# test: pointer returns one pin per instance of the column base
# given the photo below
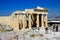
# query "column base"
(23, 29)
(30, 28)
(42, 27)
(38, 28)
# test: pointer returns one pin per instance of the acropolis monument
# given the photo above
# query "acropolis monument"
(29, 18)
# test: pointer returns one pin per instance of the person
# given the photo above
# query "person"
(57, 28)
(53, 27)
(46, 29)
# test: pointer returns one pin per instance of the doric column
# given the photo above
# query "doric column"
(30, 22)
(46, 21)
(42, 21)
(37, 20)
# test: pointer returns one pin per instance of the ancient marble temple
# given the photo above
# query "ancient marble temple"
(29, 18)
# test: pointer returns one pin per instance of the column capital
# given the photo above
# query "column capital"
(37, 14)
(45, 14)
(29, 14)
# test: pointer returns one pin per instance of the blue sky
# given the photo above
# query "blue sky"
(9, 6)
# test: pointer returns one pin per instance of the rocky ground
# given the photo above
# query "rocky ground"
(30, 35)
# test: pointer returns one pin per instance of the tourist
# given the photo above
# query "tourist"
(46, 29)
(53, 27)
(57, 28)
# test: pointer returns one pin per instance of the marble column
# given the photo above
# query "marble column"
(30, 22)
(24, 21)
(15, 23)
(37, 20)
(42, 21)
(46, 21)
(18, 22)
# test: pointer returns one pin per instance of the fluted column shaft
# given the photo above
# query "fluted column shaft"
(46, 21)
(37, 20)
(42, 20)
(30, 22)
(24, 21)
